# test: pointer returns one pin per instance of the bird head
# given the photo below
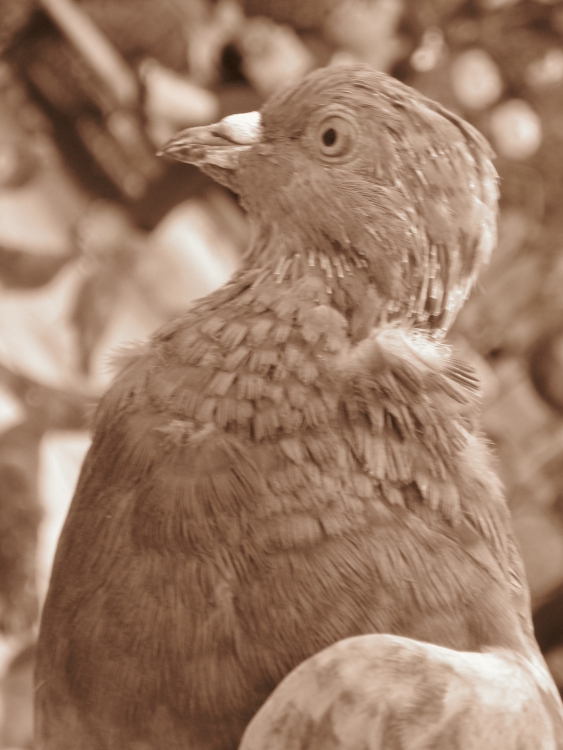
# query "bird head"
(354, 176)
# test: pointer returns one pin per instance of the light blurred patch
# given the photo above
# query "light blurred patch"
(60, 458)
(190, 256)
(36, 337)
(11, 410)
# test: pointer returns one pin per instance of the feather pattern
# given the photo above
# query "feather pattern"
(297, 459)
(325, 482)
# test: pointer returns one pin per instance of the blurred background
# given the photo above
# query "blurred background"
(101, 241)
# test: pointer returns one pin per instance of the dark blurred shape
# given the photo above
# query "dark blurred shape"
(231, 64)
(136, 27)
(24, 270)
(103, 143)
(548, 621)
(546, 368)
(100, 56)
(19, 517)
(302, 14)
(13, 16)
(17, 163)
(95, 137)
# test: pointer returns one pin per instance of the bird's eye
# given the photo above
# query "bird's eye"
(335, 137)
(330, 137)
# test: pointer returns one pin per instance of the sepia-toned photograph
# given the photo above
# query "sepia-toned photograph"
(281, 374)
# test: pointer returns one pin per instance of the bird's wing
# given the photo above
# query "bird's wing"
(413, 412)
(141, 595)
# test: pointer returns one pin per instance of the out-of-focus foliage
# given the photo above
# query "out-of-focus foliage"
(101, 241)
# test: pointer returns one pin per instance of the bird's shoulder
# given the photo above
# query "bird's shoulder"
(269, 378)
(231, 409)
(248, 348)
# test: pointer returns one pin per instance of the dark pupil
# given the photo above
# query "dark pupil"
(329, 137)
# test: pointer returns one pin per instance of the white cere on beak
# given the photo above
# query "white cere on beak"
(245, 128)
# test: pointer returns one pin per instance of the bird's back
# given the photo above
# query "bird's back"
(258, 488)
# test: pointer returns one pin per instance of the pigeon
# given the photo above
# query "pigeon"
(383, 691)
(297, 459)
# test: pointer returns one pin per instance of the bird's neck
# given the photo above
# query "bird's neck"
(286, 260)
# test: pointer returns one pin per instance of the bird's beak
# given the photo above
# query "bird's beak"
(218, 145)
